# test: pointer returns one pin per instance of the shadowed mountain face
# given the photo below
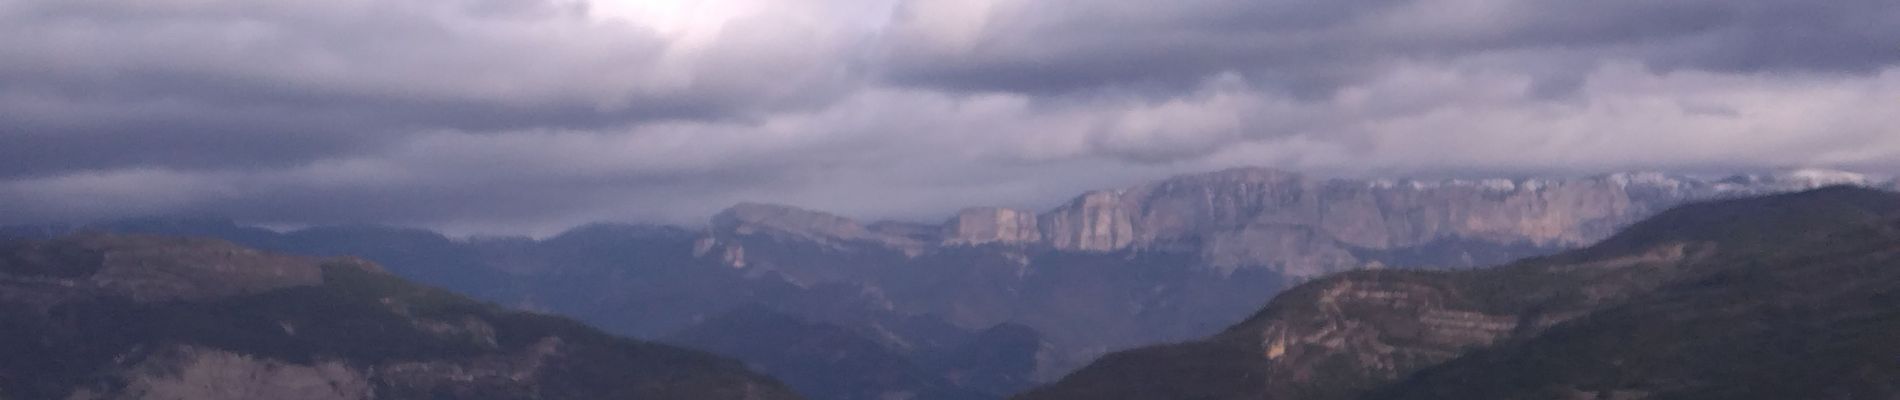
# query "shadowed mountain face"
(1786, 296)
(139, 317)
(829, 362)
(1166, 261)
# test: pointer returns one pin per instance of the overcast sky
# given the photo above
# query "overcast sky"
(530, 116)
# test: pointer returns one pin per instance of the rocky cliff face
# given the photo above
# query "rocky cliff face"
(984, 225)
(1096, 221)
(1306, 227)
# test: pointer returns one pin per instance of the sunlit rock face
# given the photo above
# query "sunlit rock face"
(1096, 221)
(984, 225)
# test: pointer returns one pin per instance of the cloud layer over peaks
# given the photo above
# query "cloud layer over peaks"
(528, 116)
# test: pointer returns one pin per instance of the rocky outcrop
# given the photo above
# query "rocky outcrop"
(191, 372)
(984, 225)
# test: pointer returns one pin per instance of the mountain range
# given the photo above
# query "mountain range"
(95, 316)
(898, 308)
(1776, 297)
(1286, 222)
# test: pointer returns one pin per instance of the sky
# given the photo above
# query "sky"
(532, 116)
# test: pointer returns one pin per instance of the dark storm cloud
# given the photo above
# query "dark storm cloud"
(1311, 47)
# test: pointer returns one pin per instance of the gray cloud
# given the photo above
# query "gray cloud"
(1311, 47)
(208, 84)
(530, 116)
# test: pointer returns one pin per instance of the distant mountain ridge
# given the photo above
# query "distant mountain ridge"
(1303, 227)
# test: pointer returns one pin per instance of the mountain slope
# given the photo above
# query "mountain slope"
(997, 362)
(1703, 301)
(818, 360)
(128, 317)
(1808, 312)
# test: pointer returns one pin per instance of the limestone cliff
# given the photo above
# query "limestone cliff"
(984, 225)
(1256, 217)
(1096, 221)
